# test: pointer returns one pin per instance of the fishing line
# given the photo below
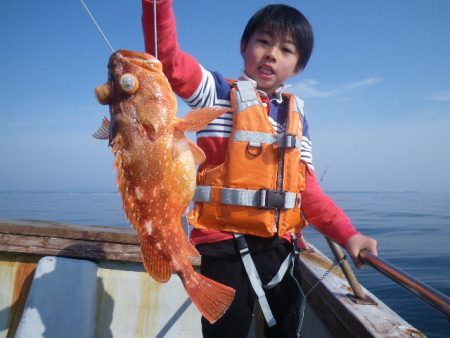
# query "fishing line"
(323, 174)
(98, 27)
(155, 28)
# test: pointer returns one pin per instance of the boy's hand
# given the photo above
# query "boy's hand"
(359, 242)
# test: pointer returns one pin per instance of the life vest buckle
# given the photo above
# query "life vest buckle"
(271, 199)
(288, 141)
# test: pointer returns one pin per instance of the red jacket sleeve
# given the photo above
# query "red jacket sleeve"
(324, 214)
(182, 70)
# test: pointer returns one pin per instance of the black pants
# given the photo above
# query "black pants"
(283, 298)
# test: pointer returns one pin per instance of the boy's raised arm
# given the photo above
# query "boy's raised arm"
(182, 69)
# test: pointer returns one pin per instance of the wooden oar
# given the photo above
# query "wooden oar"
(425, 292)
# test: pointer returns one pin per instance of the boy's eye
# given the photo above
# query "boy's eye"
(288, 49)
(263, 41)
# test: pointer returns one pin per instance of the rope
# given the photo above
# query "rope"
(335, 263)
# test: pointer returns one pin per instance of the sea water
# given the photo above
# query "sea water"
(412, 230)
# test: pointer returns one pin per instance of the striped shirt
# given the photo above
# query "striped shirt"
(214, 91)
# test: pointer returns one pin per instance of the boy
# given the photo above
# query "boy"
(258, 179)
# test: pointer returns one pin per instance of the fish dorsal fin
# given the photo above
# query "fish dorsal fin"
(102, 132)
(181, 142)
(196, 119)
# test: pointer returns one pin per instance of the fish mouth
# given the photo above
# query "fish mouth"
(140, 59)
(134, 54)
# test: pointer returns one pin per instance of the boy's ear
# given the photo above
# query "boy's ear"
(297, 70)
(243, 46)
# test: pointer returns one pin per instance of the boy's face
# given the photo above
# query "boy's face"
(269, 61)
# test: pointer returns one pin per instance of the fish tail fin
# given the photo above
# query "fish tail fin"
(211, 298)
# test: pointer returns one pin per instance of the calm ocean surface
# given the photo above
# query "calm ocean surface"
(412, 229)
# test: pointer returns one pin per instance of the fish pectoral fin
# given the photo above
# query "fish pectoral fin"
(183, 144)
(196, 119)
(192, 252)
(148, 131)
(154, 262)
(197, 152)
(102, 132)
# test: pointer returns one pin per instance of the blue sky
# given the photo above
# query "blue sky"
(376, 90)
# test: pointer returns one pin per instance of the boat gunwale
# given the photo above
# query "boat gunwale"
(330, 300)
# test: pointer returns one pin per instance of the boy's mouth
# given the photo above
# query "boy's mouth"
(266, 70)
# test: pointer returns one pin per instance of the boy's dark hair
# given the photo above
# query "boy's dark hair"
(283, 20)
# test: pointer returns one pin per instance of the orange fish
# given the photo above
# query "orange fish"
(156, 170)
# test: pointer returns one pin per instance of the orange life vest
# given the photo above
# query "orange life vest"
(256, 191)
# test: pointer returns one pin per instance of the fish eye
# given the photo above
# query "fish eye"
(129, 83)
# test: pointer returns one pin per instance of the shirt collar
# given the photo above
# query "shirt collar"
(276, 95)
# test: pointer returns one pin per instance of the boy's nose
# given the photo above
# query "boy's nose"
(271, 53)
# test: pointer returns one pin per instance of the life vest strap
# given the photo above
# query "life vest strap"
(246, 91)
(202, 193)
(257, 138)
(298, 105)
(245, 96)
(255, 281)
(258, 286)
(262, 198)
(288, 261)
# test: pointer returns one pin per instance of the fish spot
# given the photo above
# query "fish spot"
(139, 193)
(149, 227)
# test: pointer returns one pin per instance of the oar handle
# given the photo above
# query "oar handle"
(425, 292)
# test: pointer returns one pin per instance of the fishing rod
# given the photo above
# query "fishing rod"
(419, 289)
